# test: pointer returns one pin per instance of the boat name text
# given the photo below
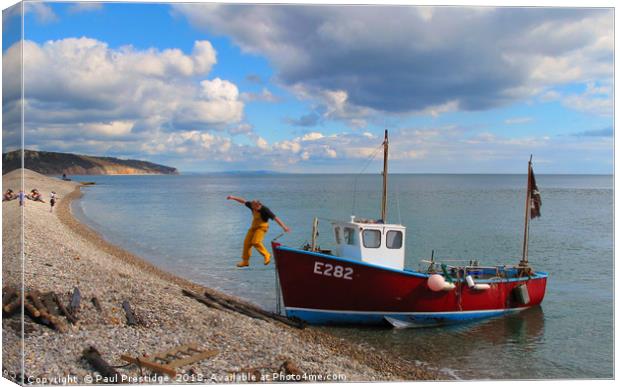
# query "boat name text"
(336, 271)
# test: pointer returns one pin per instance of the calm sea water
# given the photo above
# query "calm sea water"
(184, 224)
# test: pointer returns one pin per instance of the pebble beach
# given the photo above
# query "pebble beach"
(62, 254)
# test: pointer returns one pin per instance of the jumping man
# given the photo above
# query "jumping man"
(257, 231)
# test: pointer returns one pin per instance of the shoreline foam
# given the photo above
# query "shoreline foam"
(62, 252)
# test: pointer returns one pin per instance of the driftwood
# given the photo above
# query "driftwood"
(35, 297)
(168, 361)
(131, 317)
(289, 368)
(31, 310)
(236, 307)
(64, 310)
(50, 303)
(41, 308)
(97, 304)
(252, 310)
(226, 303)
(76, 297)
(12, 306)
(202, 299)
(52, 321)
(8, 293)
(93, 357)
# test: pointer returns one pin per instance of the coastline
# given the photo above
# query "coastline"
(113, 274)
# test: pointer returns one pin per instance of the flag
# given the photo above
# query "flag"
(535, 200)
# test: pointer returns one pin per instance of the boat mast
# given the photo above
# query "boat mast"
(385, 173)
(528, 205)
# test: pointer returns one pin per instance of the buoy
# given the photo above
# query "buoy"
(470, 281)
(437, 283)
(472, 285)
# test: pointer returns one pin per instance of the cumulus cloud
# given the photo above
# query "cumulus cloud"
(43, 12)
(595, 99)
(467, 58)
(264, 96)
(85, 7)
(81, 86)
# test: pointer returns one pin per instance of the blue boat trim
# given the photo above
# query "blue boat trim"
(408, 272)
(323, 316)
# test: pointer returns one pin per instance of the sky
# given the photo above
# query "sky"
(311, 88)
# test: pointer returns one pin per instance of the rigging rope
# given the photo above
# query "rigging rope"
(371, 158)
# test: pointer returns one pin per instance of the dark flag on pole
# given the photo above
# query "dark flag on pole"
(535, 200)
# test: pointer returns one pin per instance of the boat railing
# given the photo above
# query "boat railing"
(469, 266)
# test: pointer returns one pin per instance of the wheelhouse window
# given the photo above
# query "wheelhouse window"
(372, 238)
(338, 235)
(349, 236)
(394, 239)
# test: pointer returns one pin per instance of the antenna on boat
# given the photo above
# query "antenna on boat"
(385, 172)
(532, 210)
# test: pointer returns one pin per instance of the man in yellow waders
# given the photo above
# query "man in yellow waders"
(257, 231)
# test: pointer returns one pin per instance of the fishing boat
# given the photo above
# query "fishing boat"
(364, 279)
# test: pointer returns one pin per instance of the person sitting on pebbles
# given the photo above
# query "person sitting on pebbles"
(260, 225)
(35, 196)
(9, 195)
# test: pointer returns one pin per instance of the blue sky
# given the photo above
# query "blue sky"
(311, 88)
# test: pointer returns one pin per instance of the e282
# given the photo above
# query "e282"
(336, 271)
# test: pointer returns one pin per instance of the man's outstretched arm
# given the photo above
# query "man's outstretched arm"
(281, 223)
(235, 198)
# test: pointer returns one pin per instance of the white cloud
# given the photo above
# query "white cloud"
(114, 128)
(462, 58)
(261, 143)
(84, 89)
(596, 99)
(312, 136)
(264, 96)
(42, 11)
(85, 7)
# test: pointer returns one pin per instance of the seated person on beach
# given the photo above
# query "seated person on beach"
(9, 195)
(35, 196)
(257, 231)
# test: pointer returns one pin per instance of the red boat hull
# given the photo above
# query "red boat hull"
(324, 289)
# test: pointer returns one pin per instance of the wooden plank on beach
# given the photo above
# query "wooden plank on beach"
(195, 356)
(11, 307)
(131, 317)
(168, 361)
(251, 310)
(94, 358)
(143, 362)
(52, 322)
(31, 310)
(35, 297)
(64, 310)
(8, 293)
(202, 299)
(50, 304)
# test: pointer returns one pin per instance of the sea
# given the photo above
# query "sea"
(185, 225)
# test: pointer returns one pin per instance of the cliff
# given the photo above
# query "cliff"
(53, 163)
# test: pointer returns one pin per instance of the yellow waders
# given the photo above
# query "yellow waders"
(254, 238)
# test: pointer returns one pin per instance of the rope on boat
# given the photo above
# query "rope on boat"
(370, 159)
